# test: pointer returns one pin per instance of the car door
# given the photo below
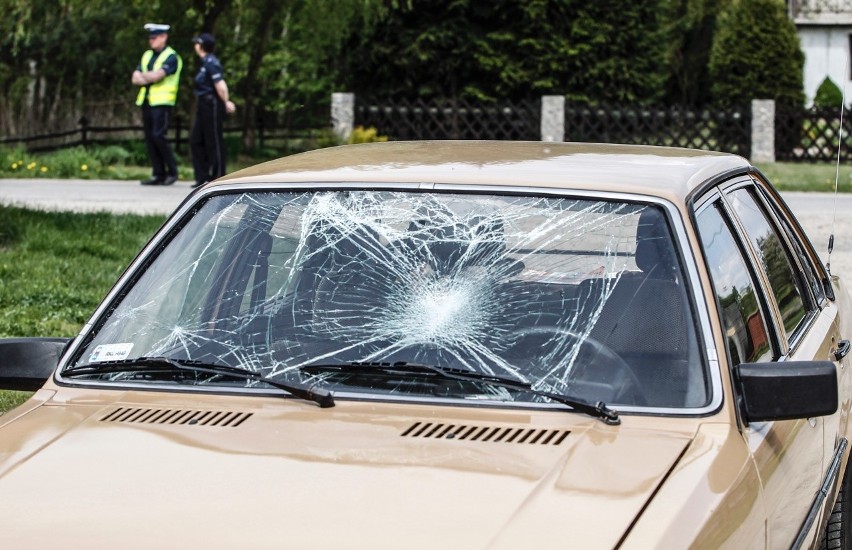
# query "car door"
(769, 313)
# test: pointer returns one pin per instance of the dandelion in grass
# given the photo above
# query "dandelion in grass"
(14, 166)
(31, 166)
(84, 167)
(44, 168)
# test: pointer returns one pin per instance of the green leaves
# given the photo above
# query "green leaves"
(512, 49)
(756, 54)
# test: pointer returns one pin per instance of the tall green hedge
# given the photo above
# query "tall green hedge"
(756, 54)
(605, 50)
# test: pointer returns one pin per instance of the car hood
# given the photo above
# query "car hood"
(288, 475)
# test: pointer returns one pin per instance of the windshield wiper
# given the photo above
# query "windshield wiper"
(320, 396)
(597, 410)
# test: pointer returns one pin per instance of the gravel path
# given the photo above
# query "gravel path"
(815, 211)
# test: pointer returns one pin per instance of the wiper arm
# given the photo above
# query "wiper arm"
(597, 410)
(320, 396)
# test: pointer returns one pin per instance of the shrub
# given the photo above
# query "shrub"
(756, 54)
(365, 135)
(828, 95)
(112, 154)
(75, 162)
(69, 163)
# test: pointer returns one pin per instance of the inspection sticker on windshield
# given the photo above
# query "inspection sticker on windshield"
(111, 352)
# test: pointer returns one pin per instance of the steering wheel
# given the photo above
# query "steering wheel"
(599, 373)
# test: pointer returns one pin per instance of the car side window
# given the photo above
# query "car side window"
(744, 324)
(774, 258)
(811, 279)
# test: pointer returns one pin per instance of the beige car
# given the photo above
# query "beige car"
(448, 345)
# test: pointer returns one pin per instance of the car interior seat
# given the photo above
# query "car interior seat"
(645, 320)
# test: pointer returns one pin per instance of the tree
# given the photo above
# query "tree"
(689, 28)
(756, 55)
(512, 49)
(61, 59)
(287, 60)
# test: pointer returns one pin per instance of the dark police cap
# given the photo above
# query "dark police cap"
(207, 41)
(156, 28)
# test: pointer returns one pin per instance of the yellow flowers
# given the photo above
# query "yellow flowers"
(84, 167)
(365, 135)
(32, 166)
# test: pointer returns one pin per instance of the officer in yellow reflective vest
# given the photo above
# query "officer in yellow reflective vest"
(158, 76)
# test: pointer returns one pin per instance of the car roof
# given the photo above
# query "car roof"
(659, 171)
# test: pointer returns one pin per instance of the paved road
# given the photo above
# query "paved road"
(819, 213)
(94, 195)
(814, 210)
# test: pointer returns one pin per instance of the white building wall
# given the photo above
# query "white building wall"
(826, 54)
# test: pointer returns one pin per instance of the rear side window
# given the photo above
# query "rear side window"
(809, 274)
(745, 327)
(770, 250)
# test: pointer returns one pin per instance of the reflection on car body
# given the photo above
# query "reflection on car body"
(520, 343)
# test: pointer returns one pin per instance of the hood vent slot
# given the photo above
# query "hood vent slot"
(219, 419)
(494, 434)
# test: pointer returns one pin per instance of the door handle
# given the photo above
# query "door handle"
(843, 347)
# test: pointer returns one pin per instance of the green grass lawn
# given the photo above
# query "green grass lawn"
(801, 176)
(55, 267)
(129, 160)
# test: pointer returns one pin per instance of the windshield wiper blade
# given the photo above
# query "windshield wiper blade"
(320, 396)
(598, 409)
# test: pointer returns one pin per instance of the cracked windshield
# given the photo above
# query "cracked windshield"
(331, 288)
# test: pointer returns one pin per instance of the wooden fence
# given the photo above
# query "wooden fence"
(794, 134)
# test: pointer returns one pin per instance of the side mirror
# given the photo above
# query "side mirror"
(786, 390)
(27, 363)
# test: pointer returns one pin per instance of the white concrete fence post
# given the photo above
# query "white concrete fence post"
(553, 118)
(762, 130)
(342, 114)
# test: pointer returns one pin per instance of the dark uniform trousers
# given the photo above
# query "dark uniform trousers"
(208, 151)
(155, 121)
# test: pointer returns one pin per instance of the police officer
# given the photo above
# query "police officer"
(211, 92)
(157, 76)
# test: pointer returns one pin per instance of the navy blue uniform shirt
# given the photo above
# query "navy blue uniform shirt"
(208, 75)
